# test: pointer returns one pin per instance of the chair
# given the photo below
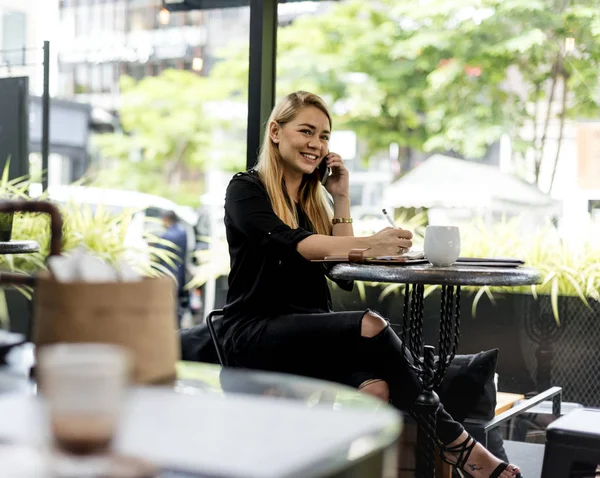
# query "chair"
(213, 334)
(479, 429)
(573, 445)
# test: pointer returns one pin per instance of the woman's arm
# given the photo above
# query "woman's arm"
(248, 209)
(385, 243)
(338, 186)
(319, 246)
(341, 208)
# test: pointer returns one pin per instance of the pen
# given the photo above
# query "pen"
(388, 217)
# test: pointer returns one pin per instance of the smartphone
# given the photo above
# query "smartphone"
(323, 171)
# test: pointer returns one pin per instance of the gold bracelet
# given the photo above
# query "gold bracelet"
(338, 220)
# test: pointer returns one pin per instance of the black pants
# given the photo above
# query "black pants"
(328, 346)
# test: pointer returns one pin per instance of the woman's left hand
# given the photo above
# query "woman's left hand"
(338, 184)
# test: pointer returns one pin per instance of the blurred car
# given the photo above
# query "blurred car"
(210, 225)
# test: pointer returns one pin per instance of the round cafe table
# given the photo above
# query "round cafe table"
(19, 247)
(226, 423)
(431, 372)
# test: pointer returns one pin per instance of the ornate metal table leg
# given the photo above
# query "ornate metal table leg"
(425, 409)
(449, 330)
(415, 338)
(431, 373)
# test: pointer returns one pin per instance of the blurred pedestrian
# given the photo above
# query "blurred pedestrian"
(175, 234)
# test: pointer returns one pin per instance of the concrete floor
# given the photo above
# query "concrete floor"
(528, 456)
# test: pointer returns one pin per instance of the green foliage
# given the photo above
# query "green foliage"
(213, 263)
(167, 130)
(433, 75)
(568, 269)
(24, 227)
(99, 230)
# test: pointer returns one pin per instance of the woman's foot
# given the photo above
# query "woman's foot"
(472, 457)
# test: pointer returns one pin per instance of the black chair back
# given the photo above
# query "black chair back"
(211, 319)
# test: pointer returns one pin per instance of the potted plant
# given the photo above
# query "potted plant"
(99, 230)
(10, 189)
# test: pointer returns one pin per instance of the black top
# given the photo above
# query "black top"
(268, 276)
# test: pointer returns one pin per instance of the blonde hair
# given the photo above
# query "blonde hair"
(311, 196)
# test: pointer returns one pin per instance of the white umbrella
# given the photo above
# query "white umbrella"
(442, 181)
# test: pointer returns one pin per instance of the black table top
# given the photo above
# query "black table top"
(431, 275)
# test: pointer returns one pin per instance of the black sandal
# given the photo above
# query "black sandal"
(500, 468)
(463, 450)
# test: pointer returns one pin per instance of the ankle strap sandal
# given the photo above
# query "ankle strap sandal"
(463, 452)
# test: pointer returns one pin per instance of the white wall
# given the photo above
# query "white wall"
(41, 25)
(575, 221)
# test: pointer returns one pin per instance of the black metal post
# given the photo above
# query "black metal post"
(542, 329)
(46, 116)
(261, 75)
(544, 356)
(557, 405)
(425, 408)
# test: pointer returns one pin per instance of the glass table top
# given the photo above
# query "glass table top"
(225, 422)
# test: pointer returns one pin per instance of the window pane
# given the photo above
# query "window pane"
(14, 36)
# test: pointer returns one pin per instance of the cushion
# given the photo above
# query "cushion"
(197, 345)
(468, 388)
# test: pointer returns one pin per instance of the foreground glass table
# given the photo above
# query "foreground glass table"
(231, 423)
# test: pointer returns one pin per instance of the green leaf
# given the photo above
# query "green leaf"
(429, 289)
(577, 288)
(554, 300)
(362, 293)
(477, 298)
(169, 125)
(391, 288)
(520, 44)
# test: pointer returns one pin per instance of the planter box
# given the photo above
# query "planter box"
(523, 329)
(20, 312)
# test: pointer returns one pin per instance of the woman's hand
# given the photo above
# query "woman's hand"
(337, 184)
(390, 241)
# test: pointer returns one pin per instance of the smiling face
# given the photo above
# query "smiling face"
(303, 141)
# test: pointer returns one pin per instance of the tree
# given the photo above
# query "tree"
(168, 130)
(438, 75)
(529, 40)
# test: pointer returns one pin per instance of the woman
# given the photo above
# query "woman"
(278, 314)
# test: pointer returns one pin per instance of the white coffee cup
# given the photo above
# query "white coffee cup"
(442, 245)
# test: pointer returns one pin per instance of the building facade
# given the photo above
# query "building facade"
(100, 40)
(104, 39)
(24, 25)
